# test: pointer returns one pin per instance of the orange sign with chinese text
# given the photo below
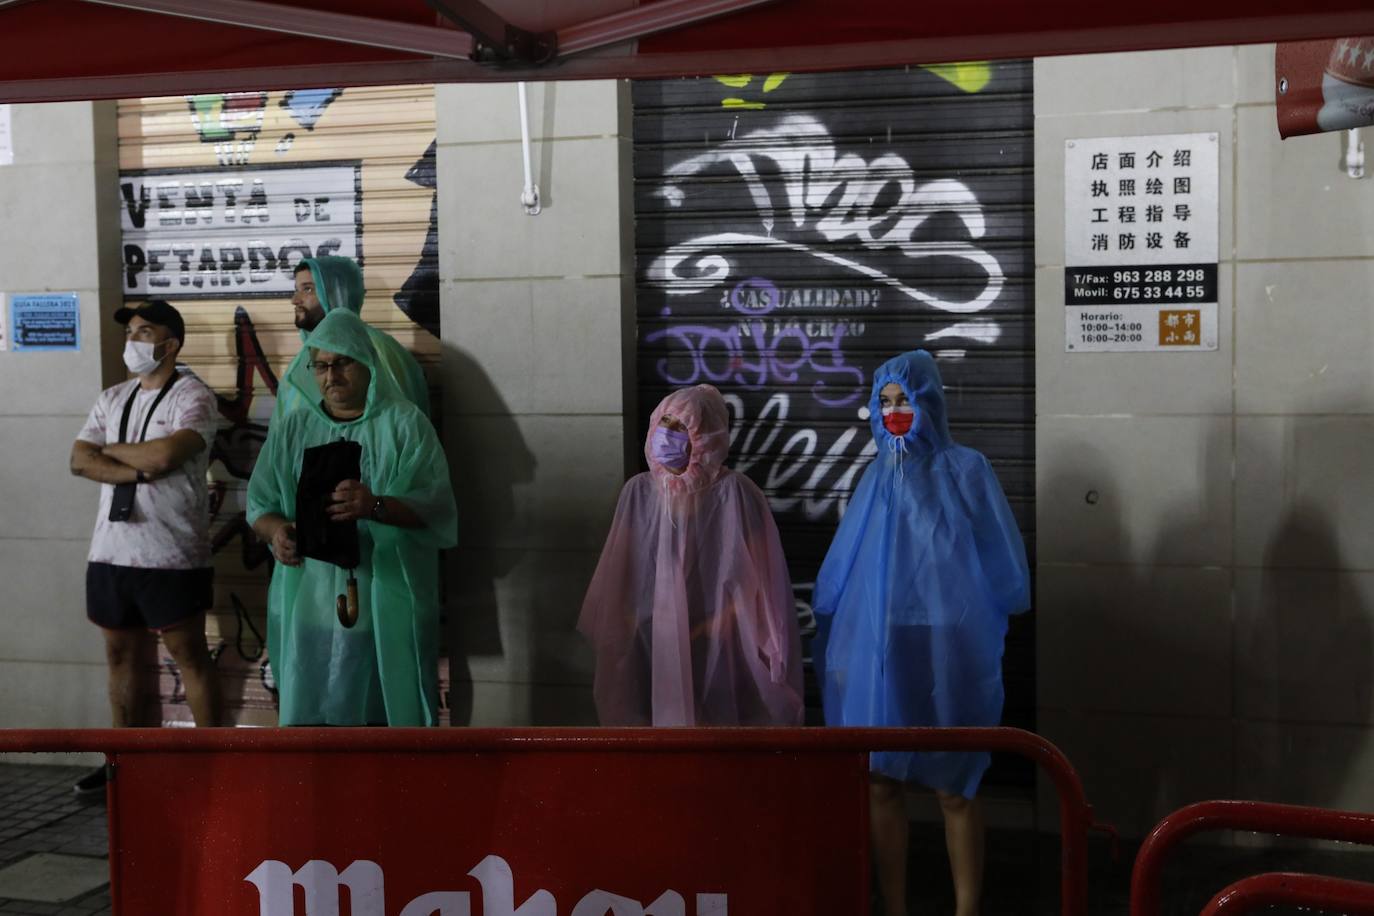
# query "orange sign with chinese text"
(1180, 328)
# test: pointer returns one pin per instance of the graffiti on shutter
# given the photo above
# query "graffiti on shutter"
(795, 231)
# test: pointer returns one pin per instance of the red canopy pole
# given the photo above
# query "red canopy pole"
(308, 23)
(642, 21)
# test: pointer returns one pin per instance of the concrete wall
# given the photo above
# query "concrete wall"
(537, 337)
(538, 332)
(58, 203)
(1206, 628)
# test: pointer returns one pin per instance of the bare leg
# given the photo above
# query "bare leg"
(186, 643)
(888, 824)
(122, 653)
(964, 840)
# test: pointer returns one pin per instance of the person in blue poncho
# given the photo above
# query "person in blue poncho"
(912, 604)
(331, 282)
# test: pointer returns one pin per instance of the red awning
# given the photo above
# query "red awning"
(81, 49)
(1324, 85)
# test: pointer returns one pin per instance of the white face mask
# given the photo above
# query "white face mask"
(139, 358)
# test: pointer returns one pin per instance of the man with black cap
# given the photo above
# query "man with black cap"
(149, 572)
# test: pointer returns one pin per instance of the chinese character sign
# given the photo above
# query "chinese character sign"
(1141, 219)
(1180, 328)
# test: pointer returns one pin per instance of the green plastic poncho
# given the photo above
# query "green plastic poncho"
(339, 285)
(383, 669)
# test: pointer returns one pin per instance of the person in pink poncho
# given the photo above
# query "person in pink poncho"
(690, 610)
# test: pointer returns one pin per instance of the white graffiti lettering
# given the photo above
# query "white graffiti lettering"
(837, 196)
(817, 494)
(985, 332)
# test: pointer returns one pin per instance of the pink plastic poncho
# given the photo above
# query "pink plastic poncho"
(690, 610)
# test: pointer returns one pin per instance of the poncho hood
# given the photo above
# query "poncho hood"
(339, 287)
(702, 410)
(338, 284)
(913, 597)
(919, 377)
(346, 334)
(690, 610)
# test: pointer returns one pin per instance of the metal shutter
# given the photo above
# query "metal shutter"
(223, 194)
(792, 232)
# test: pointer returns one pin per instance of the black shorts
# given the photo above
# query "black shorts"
(125, 597)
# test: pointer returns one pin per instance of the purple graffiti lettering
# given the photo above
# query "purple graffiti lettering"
(746, 355)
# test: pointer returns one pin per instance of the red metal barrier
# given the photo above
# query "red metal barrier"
(1314, 892)
(1259, 817)
(467, 745)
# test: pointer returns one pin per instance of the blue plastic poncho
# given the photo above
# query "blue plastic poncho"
(385, 668)
(339, 285)
(914, 594)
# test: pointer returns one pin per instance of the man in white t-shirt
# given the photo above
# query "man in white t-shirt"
(149, 574)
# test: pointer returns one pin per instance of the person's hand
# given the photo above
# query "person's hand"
(351, 500)
(284, 545)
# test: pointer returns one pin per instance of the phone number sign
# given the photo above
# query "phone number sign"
(1141, 242)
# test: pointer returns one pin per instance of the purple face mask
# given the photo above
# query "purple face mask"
(671, 448)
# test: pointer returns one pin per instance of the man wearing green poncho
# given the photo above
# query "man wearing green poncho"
(329, 283)
(383, 669)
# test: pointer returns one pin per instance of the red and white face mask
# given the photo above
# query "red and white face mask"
(898, 420)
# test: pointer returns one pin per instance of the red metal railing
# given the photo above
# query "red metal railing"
(1075, 815)
(1315, 892)
(1259, 817)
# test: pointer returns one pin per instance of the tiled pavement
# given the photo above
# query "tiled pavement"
(38, 813)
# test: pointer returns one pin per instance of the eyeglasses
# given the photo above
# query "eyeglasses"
(319, 367)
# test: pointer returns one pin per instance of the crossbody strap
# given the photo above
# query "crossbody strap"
(129, 408)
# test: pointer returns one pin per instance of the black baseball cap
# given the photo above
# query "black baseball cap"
(155, 311)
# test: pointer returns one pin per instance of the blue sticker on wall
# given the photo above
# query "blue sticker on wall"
(45, 321)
